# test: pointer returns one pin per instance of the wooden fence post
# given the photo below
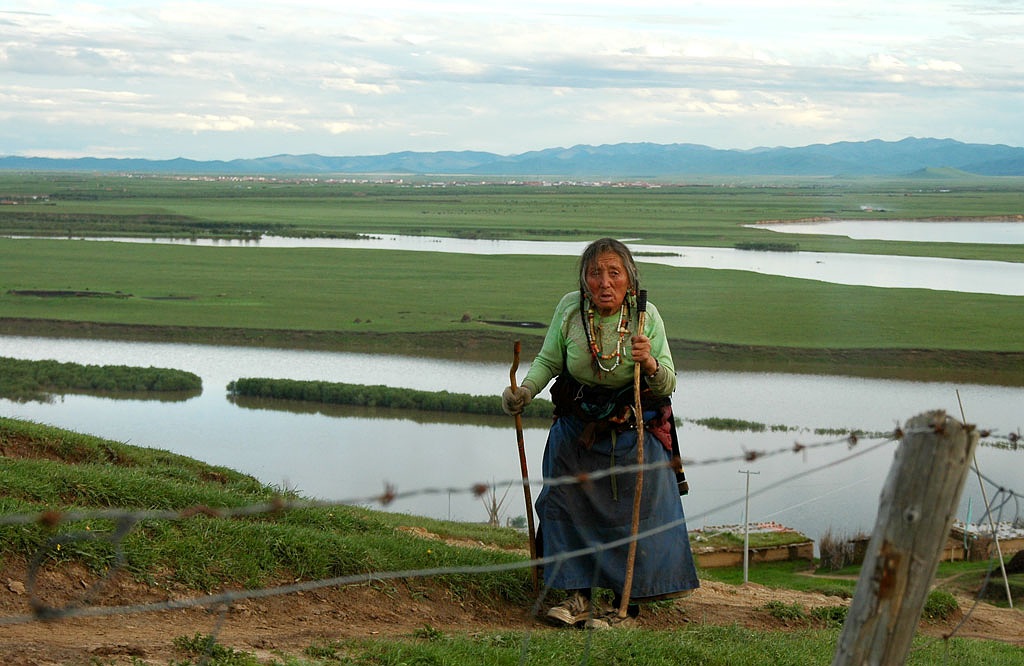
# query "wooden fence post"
(915, 513)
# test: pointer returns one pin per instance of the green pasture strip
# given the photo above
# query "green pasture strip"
(362, 395)
(374, 292)
(693, 643)
(305, 289)
(50, 469)
(694, 213)
(33, 380)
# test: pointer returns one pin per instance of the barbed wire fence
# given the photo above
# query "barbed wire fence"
(1004, 500)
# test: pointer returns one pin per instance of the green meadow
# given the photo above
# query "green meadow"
(441, 304)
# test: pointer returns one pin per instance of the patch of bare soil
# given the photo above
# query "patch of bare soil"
(285, 625)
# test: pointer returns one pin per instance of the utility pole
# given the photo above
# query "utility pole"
(746, 526)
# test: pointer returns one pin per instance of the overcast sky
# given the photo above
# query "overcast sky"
(221, 80)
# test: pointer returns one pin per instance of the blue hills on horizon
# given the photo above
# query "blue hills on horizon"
(910, 157)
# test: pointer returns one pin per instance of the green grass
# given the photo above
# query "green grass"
(37, 380)
(694, 213)
(952, 578)
(51, 469)
(695, 644)
(734, 540)
(374, 396)
(796, 575)
(438, 304)
(346, 291)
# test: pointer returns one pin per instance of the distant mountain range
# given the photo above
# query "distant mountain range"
(908, 157)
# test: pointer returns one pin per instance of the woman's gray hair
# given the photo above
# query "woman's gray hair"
(599, 247)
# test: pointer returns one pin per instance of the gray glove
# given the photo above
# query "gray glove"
(513, 401)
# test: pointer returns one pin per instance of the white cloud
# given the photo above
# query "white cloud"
(343, 127)
(358, 87)
(212, 123)
(887, 63)
(941, 66)
(223, 78)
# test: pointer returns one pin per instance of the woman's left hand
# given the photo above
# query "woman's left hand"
(641, 348)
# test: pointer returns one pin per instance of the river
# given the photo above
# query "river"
(353, 455)
(890, 271)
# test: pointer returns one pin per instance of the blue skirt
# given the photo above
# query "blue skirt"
(578, 516)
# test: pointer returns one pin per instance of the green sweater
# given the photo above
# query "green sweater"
(567, 338)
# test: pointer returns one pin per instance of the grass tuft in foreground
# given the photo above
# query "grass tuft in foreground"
(696, 644)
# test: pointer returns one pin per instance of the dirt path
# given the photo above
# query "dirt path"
(273, 626)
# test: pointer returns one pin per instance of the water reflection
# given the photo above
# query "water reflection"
(890, 271)
(153, 396)
(362, 412)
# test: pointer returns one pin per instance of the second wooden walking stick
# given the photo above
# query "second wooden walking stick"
(525, 470)
(627, 585)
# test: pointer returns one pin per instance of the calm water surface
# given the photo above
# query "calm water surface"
(353, 457)
(985, 277)
(953, 231)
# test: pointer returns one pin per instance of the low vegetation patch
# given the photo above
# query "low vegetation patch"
(840, 551)
(940, 605)
(768, 246)
(728, 539)
(795, 614)
(361, 395)
(206, 650)
(78, 225)
(722, 423)
(33, 380)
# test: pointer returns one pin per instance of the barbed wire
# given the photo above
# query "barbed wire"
(391, 494)
(126, 520)
(957, 630)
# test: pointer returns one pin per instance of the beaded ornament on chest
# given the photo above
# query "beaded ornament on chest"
(599, 338)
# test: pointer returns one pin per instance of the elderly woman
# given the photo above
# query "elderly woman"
(591, 349)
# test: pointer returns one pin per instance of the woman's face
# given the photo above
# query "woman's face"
(608, 282)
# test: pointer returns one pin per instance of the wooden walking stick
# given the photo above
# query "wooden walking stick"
(627, 585)
(525, 470)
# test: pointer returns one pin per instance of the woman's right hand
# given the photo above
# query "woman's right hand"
(514, 400)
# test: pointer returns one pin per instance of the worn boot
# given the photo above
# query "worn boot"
(572, 611)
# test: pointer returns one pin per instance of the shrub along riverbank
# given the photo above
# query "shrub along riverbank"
(35, 380)
(360, 395)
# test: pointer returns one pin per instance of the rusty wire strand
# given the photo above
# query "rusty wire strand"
(51, 518)
(126, 520)
(73, 610)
